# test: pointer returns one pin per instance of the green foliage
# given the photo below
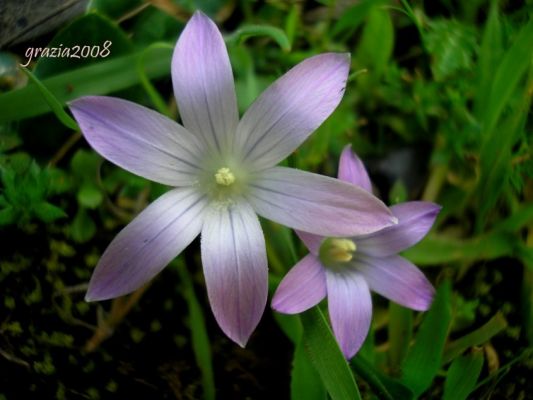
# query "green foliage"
(462, 376)
(447, 83)
(326, 357)
(425, 357)
(24, 196)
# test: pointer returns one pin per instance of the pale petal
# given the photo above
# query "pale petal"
(303, 287)
(138, 139)
(397, 279)
(203, 83)
(415, 219)
(292, 108)
(352, 169)
(235, 268)
(350, 309)
(312, 242)
(148, 244)
(316, 203)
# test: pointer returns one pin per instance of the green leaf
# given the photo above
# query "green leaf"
(424, 358)
(462, 376)
(400, 330)
(354, 16)
(200, 340)
(497, 152)
(327, 358)
(489, 58)
(439, 249)
(90, 196)
(8, 216)
(290, 325)
(47, 212)
(248, 31)
(85, 164)
(55, 105)
(383, 386)
(91, 32)
(102, 78)
(305, 381)
(451, 45)
(377, 41)
(509, 73)
(83, 227)
(476, 338)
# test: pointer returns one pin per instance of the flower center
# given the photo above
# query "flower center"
(224, 177)
(335, 251)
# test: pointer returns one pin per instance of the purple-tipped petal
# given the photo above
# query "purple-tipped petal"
(415, 219)
(350, 309)
(203, 83)
(312, 242)
(138, 139)
(235, 268)
(397, 279)
(303, 287)
(292, 108)
(316, 203)
(352, 169)
(148, 244)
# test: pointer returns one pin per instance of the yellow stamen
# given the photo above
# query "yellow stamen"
(224, 177)
(341, 250)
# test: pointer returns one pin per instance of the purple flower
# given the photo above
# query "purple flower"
(224, 172)
(346, 269)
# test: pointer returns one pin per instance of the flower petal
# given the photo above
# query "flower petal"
(350, 309)
(138, 139)
(352, 169)
(303, 287)
(292, 108)
(235, 268)
(415, 219)
(203, 83)
(397, 279)
(148, 244)
(316, 203)
(312, 242)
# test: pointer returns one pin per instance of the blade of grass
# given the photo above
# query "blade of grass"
(305, 381)
(54, 104)
(382, 386)
(494, 326)
(248, 31)
(200, 340)
(425, 357)
(97, 79)
(462, 376)
(327, 358)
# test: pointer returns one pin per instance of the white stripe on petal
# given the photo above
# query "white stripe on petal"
(415, 219)
(235, 268)
(138, 139)
(352, 170)
(203, 83)
(148, 244)
(316, 203)
(397, 279)
(350, 309)
(303, 287)
(292, 108)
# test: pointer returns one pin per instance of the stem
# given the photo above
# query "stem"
(120, 307)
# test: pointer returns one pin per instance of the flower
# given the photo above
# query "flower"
(346, 269)
(224, 172)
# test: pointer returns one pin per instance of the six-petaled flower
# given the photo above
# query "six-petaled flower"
(346, 269)
(224, 172)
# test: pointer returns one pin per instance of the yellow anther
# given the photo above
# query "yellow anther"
(341, 250)
(224, 177)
